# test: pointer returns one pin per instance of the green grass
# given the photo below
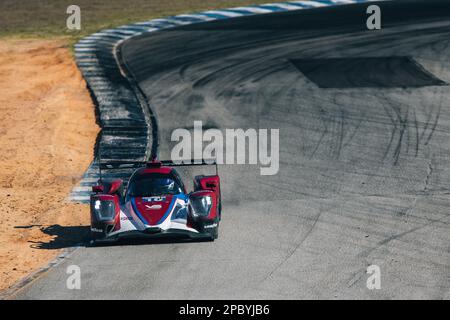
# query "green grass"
(47, 18)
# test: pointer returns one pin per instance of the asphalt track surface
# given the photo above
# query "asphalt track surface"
(364, 170)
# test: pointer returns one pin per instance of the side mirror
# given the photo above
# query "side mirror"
(97, 189)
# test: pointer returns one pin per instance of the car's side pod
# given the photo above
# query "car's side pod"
(105, 214)
(206, 189)
(203, 212)
(208, 183)
(105, 207)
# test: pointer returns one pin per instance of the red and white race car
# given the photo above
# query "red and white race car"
(155, 204)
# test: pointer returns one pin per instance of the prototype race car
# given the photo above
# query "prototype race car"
(155, 204)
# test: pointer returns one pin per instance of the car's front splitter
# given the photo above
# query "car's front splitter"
(155, 233)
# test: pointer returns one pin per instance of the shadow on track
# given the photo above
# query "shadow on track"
(75, 236)
(64, 236)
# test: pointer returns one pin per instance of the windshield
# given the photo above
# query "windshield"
(153, 185)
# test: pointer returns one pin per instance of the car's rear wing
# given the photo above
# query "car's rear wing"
(126, 164)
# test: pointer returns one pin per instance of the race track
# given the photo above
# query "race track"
(364, 161)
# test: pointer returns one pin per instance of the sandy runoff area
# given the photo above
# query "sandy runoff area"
(47, 135)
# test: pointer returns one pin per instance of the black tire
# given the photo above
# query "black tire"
(212, 232)
(95, 236)
(216, 231)
(220, 209)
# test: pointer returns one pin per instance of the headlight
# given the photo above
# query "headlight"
(201, 205)
(104, 210)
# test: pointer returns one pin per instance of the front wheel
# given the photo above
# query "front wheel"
(215, 233)
(94, 236)
(212, 232)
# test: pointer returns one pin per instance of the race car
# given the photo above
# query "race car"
(155, 204)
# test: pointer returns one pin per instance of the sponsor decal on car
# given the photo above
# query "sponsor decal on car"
(153, 199)
(153, 207)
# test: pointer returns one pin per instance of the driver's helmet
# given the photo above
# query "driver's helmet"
(166, 184)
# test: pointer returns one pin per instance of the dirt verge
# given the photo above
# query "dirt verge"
(47, 135)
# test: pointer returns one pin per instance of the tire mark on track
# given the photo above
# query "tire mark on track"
(403, 126)
(355, 130)
(298, 245)
(436, 120)
(393, 132)
(384, 242)
(341, 135)
(416, 125)
(325, 131)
